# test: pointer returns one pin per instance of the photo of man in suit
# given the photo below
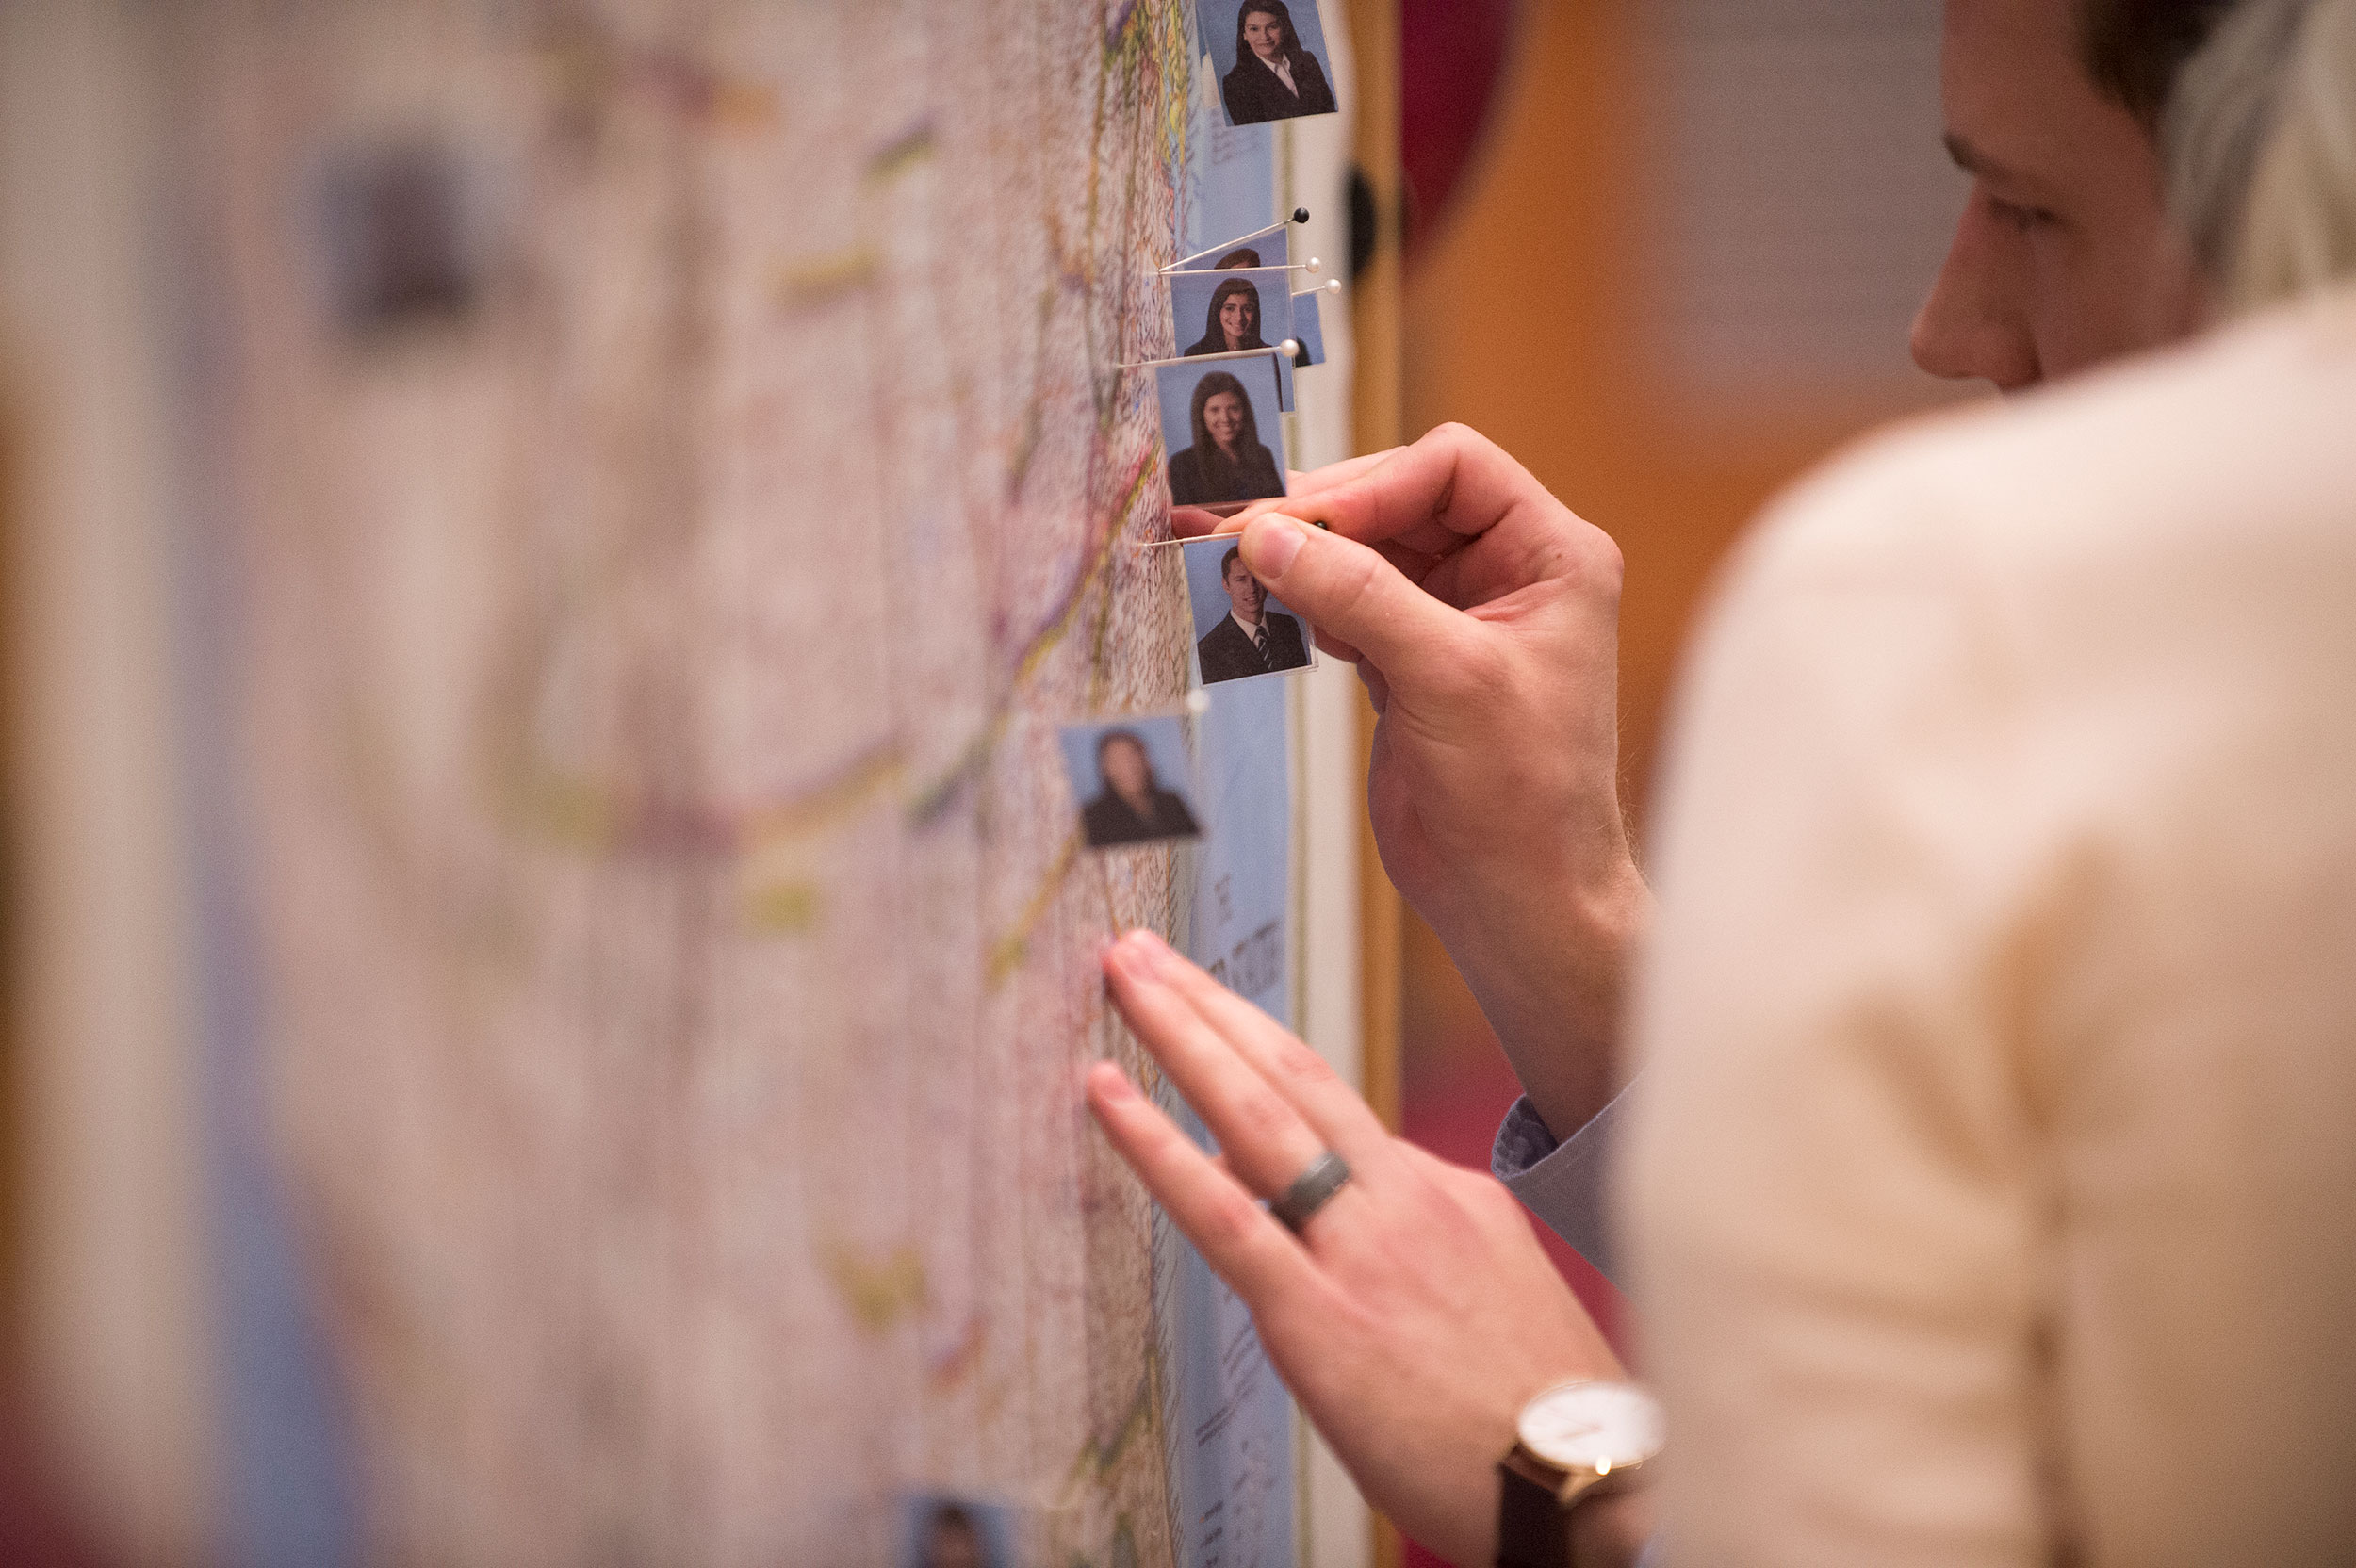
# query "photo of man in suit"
(1250, 639)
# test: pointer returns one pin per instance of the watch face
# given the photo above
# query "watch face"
(1593, 1425)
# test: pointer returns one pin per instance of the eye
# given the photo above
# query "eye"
(2024, 219)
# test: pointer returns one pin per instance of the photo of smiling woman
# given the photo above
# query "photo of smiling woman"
(1275, 78)
(1226, 461)
(1234, 321)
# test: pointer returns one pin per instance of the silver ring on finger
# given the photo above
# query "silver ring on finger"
(1311, 1191)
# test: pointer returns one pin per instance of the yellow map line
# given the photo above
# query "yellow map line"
(927, 801)
(902, 154)
(803, 285)
(1053, 633)
(881, 770)
(1097, 1456)
(1008, 953)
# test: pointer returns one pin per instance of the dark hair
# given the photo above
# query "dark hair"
(1219, 296)
(1205, 391)
(954, 1518)
(1105, 743)
(1242, 255)
(1228, 559)
(1294, 52)
(2134, 49)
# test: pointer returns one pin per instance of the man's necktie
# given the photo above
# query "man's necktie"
(1259, 640)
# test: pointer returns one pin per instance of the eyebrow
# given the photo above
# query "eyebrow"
(1973, 162)
(1982, 166)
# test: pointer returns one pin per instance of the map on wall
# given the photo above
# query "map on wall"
(675, 479)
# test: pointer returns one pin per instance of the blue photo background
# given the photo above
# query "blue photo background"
(1216, 25)
(1271, 243)
(1308, 325)
(1175, 381)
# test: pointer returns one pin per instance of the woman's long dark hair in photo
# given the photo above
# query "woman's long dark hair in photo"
(1202, 475)
(1214, 340)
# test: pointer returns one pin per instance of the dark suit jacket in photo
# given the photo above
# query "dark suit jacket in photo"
(1227, 654)
(1197, 478)
(1110, 820)
(1254, 93)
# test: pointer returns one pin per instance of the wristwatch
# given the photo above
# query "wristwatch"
(1577, 1441)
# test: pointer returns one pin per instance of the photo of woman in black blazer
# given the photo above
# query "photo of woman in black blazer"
(1232, 322)
(1274, 79)
(1132, 808)
(1226, 461)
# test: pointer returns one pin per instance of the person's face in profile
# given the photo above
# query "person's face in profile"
(2064, 256)
(1244, 591)
(1264, 34)
(1126, 769)
(1237, 319)
(1223, 416)
(952, 1542)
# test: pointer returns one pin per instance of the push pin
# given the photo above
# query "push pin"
(1333, 286)
(1291, 348)
(1312, 264)
(1301, 215)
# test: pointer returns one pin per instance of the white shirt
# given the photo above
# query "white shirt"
(1284, 69)
(1992, 1177)
(1251, 628)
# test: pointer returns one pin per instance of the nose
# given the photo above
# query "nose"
(1975, 324)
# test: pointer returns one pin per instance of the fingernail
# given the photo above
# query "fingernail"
(1110, 1085)
(1271, 543)
(1132, 956)
(1158, 954)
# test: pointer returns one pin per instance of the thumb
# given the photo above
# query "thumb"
(1349, 592)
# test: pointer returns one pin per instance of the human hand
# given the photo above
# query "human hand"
(1414, 1315)
(1483, 617)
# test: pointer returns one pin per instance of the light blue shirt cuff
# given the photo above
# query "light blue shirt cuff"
(1561, 1182)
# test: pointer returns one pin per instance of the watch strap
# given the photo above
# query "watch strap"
(1533, 1527)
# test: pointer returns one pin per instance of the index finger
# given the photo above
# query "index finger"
(1452, 486)
(1307, 483)
(1331, 1108)
(1267, 1140)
